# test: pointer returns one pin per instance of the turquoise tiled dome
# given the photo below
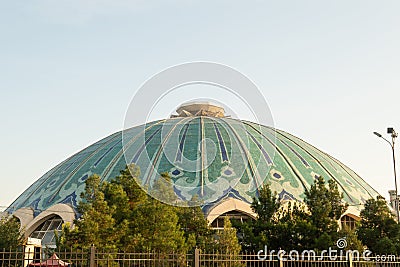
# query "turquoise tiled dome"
(230, 158)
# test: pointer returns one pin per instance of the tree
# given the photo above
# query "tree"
(257, 234)
(379, 230)
(163, 191)
(11, 235)
(277, 225)
(119, 214)
(295, 226)
(353, 243)
(292, 229)
(266, 205)
(158, 223)
(325, 205)
(195, 227)
(126, 197)
(124, 193)
(96, 225)
(228, 245)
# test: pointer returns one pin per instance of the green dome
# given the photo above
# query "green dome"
(211, 157)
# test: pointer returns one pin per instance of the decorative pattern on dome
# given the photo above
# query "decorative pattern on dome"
(234, 158)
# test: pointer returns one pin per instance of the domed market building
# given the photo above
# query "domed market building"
(217, 159)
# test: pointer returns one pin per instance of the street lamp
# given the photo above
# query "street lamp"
(393, 134)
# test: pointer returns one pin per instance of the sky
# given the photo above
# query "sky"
(329, 71)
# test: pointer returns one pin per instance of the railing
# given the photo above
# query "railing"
(93, 257)
(10, 258)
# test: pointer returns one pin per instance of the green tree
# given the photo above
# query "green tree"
(11, 235)
(163, 189)
(157, 223)
(353, 243)
(278, 225)
(312, 225)
(265, 205)
(96, 224)
(195, 227)
(325, 206)
(119, 214)
(379, 230)
(255, 234)
(147, 223)
(124, 193)
(292, 229)
(385, 246)
(126, 197)
(227, 239)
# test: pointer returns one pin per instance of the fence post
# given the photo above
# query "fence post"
(92, 262)
(197, 257)
(350, 259)
(280, 261)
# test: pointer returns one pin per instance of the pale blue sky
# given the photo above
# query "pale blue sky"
(330, 71)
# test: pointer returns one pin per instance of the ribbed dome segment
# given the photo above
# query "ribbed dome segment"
(209, 157)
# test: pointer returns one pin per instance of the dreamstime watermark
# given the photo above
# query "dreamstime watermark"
(331, 254)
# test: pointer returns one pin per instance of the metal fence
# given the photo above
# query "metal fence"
(93, 257)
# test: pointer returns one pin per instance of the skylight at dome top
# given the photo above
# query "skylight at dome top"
(207, 155)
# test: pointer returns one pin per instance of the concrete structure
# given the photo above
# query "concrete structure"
(393, 200)
(200, 109)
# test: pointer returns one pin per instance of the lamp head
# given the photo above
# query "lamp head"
(390, 130)
(377, 134)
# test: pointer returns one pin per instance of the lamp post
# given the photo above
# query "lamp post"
(393, 134)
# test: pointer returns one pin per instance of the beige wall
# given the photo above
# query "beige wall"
(29, 223)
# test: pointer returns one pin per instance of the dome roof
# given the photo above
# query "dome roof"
(211, 157)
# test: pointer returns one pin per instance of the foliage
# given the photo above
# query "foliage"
(119, 214)
(228, 245)
(195, 227)
(353, 243)
(227, 239)
(266, 205)
(11, 235)
(293, 225)
(325, 206)
(162, 189)
(96, 225)
(126, 197)
(379, 230)
(277, 226)
(157, 225)
(255, 234)
(293, 228)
